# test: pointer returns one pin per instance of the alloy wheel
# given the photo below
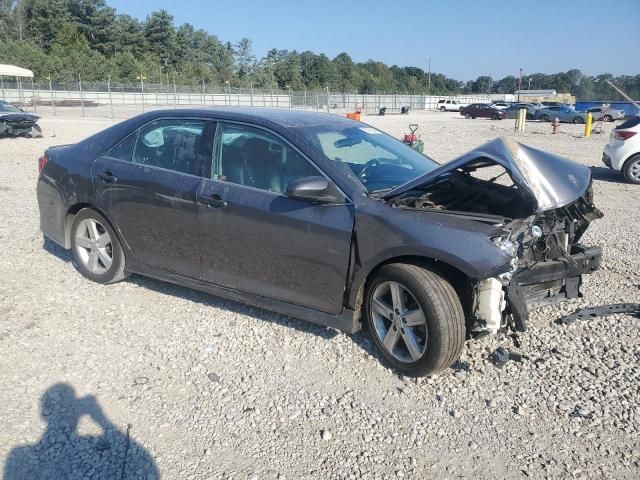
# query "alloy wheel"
(634, 170)
(399, 321)
(94, 247)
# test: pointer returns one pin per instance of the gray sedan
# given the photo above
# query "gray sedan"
(608, 114)
(562, 113)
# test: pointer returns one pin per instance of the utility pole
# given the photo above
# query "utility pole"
(519, 83)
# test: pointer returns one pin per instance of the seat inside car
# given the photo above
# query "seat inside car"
(253, 162)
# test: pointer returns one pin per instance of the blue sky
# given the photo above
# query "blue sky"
(464, 38)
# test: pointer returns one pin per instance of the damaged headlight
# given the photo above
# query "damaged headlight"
(536, 231)
(510, 247)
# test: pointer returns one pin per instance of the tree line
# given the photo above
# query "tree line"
(61, 39)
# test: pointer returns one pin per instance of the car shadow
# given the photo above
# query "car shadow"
(607, 175)
(211, 300)
(62, 452)
(56, 250)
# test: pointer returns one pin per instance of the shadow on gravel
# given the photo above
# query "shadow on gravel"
(56, 250)
(607, 175)
(62, 453)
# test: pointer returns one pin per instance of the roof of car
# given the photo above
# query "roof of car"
(278, 116)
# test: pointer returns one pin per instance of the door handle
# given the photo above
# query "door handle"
(107, 177)
(216, 201)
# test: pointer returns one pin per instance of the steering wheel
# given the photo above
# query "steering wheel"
(371, 163)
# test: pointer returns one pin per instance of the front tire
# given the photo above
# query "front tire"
(494, 116)
(578, 120)
(96, 248)
(443, 109)
(415, 319)
(608, 118)
(467, 116)
(544, 118)
(631, 169)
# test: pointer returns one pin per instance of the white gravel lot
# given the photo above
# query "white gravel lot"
(215, 389)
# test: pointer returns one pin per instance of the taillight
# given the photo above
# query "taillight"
(42, 161)
(624, 134)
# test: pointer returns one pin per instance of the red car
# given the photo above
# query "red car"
(482, 110)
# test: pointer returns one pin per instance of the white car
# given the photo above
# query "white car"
(622, 153)
(449, 105)
(501, 105)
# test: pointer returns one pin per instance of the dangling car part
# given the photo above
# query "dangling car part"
(17, 123)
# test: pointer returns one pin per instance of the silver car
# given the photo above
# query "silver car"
(608, 114)
(562, 113)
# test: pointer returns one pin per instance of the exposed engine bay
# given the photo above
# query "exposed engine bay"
(547, 260)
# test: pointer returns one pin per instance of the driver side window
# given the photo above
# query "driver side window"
(255, 158)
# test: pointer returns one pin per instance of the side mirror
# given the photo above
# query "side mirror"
(312, 188)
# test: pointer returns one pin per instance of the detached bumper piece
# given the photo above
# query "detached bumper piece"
(601, 311)
(549, 282)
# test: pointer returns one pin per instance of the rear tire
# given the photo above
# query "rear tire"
(544, 118)
(443, 109)
(578, 120)
(467, 116)
(96, 248)
(608, 118)
(631, 169)
(424, 331)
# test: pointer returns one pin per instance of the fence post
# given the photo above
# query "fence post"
(317, 102)
(175, 96)
(33, 97)
(53, 100)
(305, 99)
(251, 93)
(110, 99)
(327, 98)
(2, 86)
(142, 91)
(81, 95)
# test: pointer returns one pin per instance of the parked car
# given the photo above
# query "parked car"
(482, 110)
(326, 219)
(562, 113)
(607, 114)
(512, 111)
(449, 105)
(501, 105)
(15, 122)
(622, 153)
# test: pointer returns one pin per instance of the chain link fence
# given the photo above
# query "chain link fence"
(118, 100)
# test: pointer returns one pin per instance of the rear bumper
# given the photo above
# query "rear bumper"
(550, 282)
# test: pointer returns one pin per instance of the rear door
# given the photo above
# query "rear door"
(147, 186)
(255, 239)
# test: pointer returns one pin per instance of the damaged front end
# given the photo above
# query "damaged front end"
(542, 203)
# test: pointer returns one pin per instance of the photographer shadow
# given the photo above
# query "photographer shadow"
(62, 453)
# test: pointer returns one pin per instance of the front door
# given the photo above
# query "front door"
(147, 186)
(255, 239)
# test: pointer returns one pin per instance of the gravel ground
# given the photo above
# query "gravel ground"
(209, 388)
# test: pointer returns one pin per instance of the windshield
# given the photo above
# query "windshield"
(7, 107)
(377, 160)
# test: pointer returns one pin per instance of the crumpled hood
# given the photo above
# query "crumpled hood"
(18, 117)
(553, 181)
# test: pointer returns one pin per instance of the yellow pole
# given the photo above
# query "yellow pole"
(587, 126)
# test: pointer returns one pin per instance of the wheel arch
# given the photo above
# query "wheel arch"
(460, 281)
(71, 215)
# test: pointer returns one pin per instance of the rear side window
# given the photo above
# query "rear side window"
(173, 144)
(124, 149)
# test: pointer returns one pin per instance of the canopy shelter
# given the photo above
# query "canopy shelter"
(19, 73)
(13, 71)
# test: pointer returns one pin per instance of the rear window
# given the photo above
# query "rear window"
(632, 122)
